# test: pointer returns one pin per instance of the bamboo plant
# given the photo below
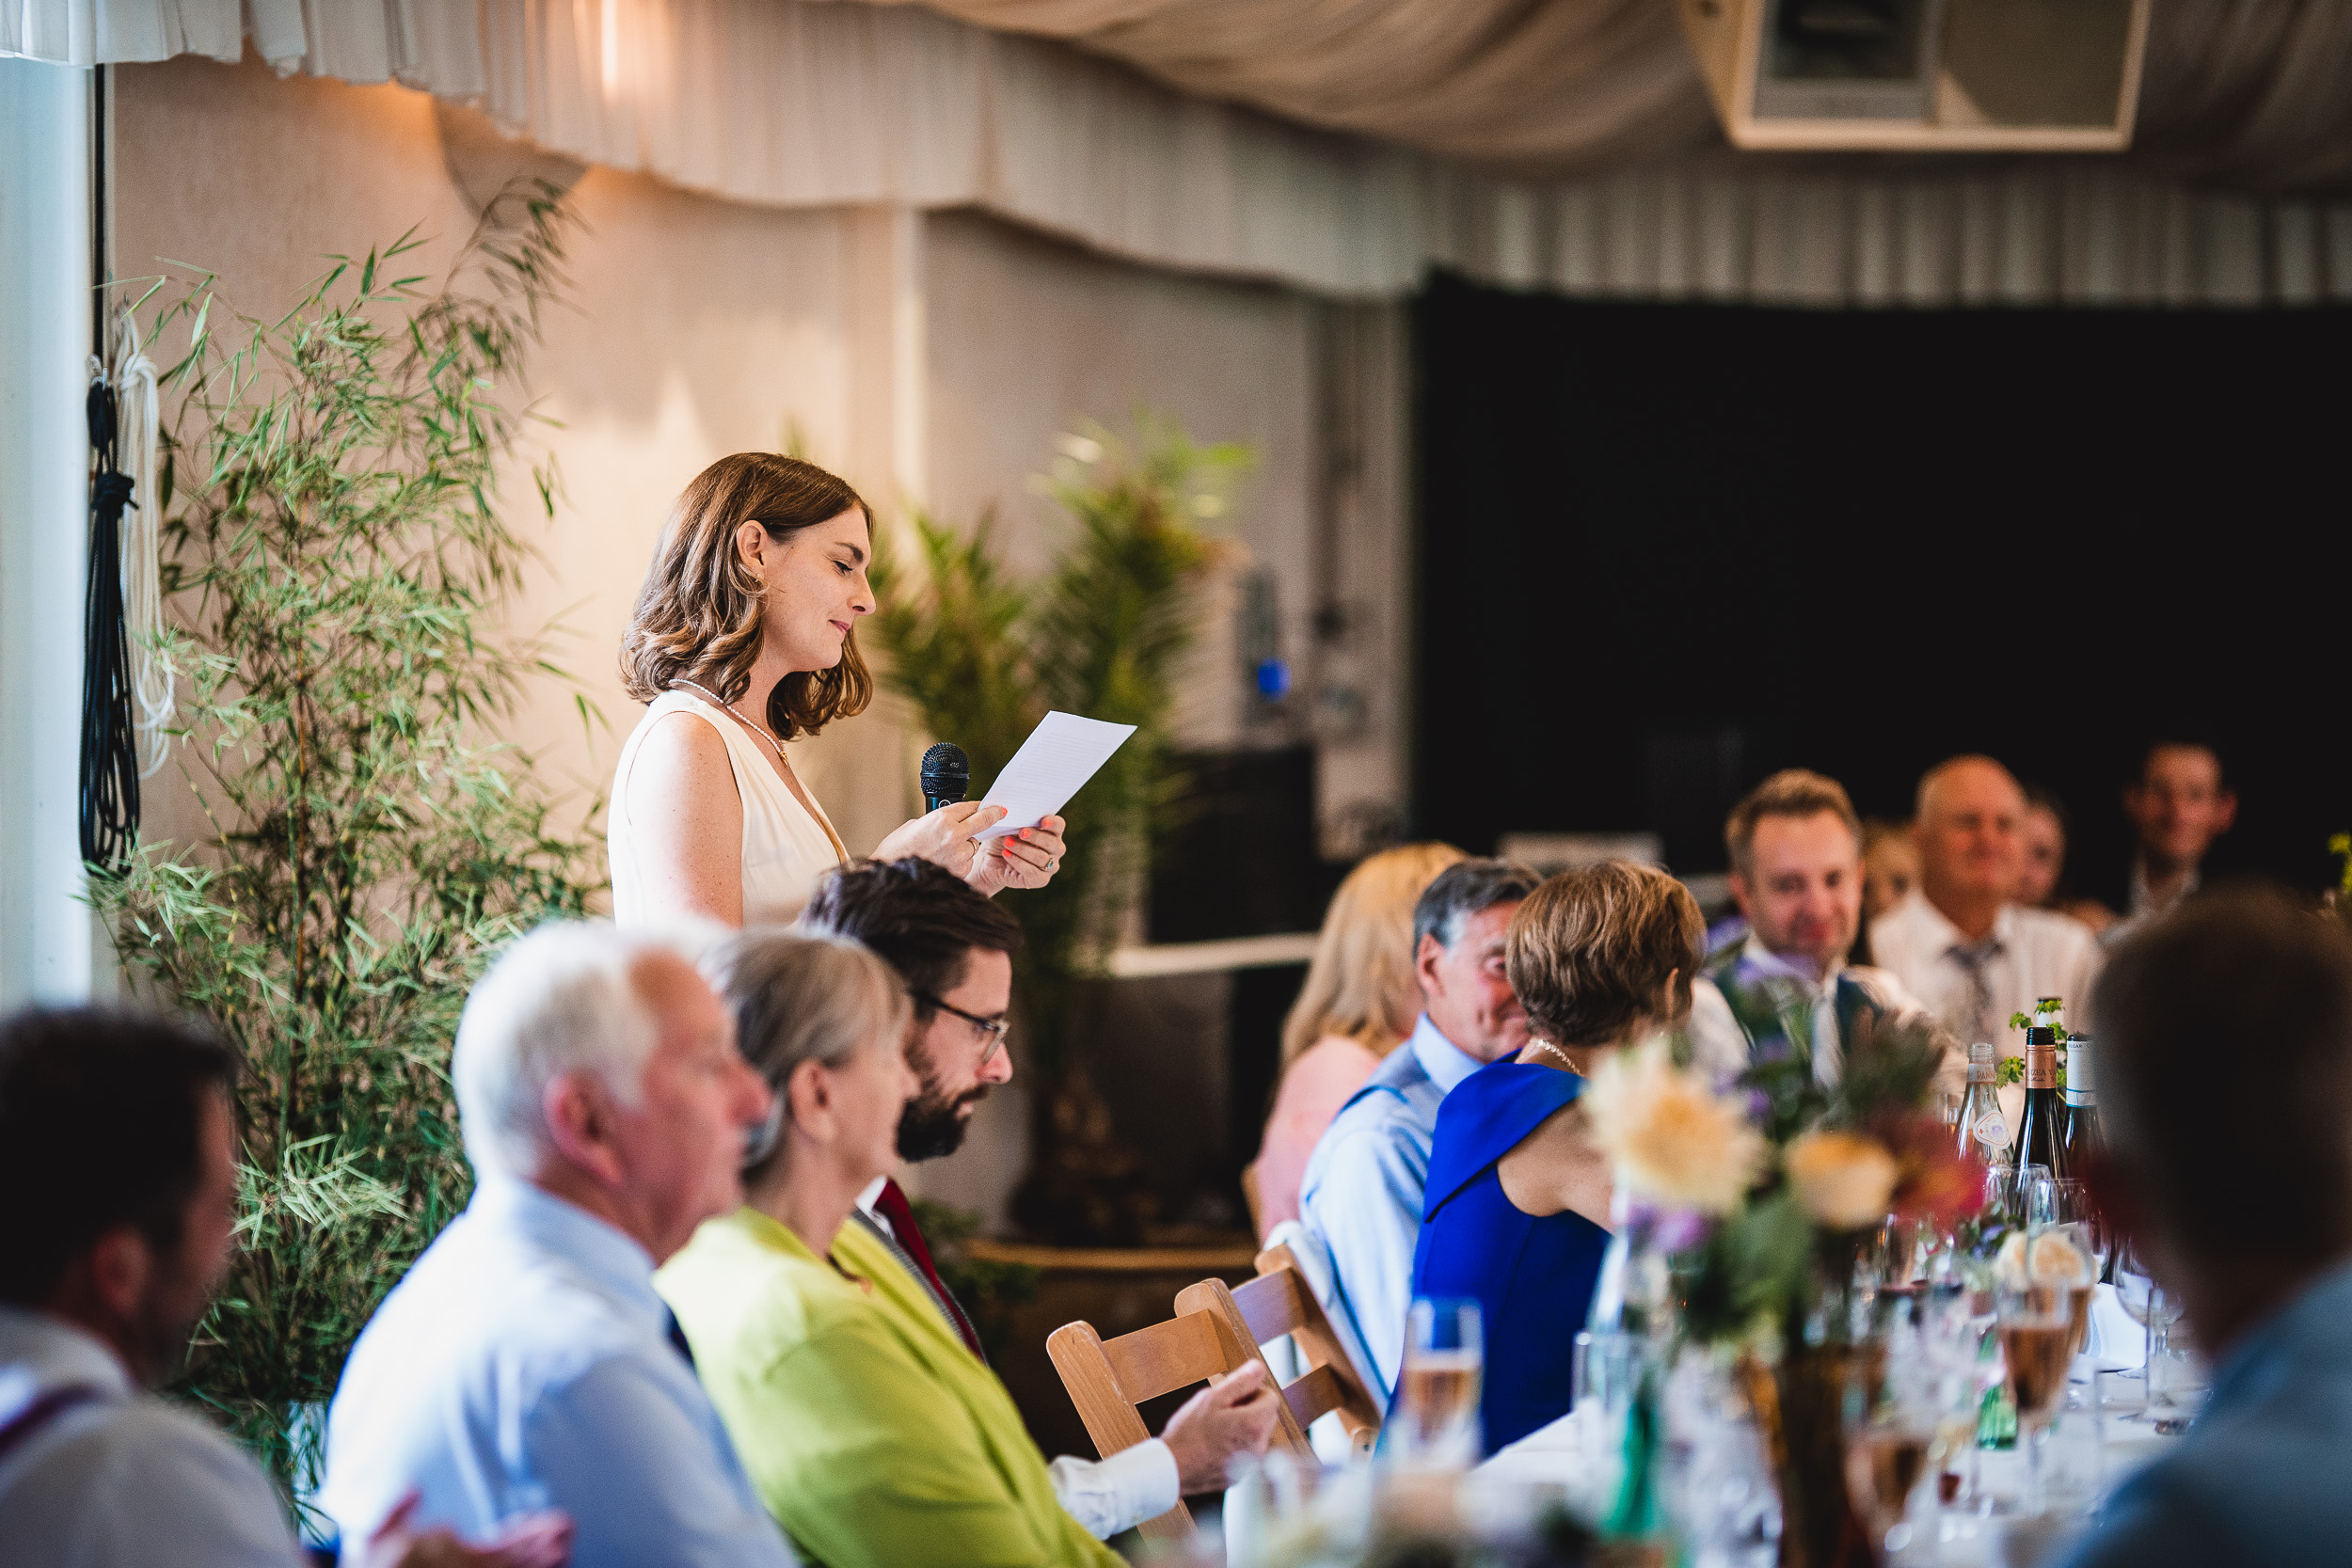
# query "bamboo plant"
(335, 560)
(982, 658)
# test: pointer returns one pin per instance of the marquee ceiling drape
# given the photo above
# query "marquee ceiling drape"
(2246, 93)
(1347, 146)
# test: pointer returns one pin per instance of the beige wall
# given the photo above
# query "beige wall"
(696, 327)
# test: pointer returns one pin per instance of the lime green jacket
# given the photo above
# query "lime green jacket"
(871, 1431)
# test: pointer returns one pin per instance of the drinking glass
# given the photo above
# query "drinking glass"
(2037, 1196)
(1891, 1432)
(2037, 1328)
(2074, 1207)
(1436, 1423)
(2169, 1374)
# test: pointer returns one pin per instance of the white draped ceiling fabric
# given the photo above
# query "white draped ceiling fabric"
(1349, 146)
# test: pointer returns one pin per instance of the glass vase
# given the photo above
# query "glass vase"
(1799, 1409)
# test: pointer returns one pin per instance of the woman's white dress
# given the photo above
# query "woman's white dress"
(786, 850)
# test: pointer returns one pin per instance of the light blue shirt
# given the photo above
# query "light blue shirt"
(1362, 1191)
(121, 1480)
(2260, 1478)
(524, 1363)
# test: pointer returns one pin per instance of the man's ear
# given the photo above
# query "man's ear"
(1740, 896)
(579, 1114)
(2225, 812)
(118, 1268)
(1426, 959)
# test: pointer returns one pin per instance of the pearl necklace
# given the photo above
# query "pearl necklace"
(1546, 1045)
(765, 732)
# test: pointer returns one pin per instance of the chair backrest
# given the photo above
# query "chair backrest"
(1108, 1378)
(1278, 1302)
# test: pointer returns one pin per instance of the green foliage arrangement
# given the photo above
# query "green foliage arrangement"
(982, 658)
(335, 565)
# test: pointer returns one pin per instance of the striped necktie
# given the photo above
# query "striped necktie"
(1972, 957)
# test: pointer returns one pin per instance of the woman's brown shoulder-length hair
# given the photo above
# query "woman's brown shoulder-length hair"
(697, 616)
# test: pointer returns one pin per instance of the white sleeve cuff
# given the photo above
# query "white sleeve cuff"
(1108, 1495)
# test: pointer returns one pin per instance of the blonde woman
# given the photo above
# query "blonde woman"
(867, 1426)
(745, 637)
(1359, 1000)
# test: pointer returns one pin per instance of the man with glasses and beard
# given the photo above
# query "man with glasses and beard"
(953, 947)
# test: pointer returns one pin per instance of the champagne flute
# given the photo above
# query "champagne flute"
(2037, 1328)
(1891, 1435)
(1436, 1423)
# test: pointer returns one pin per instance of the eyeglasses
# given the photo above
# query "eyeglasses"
(991, 1029)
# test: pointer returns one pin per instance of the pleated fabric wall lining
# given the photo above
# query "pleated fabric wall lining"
(819, 103)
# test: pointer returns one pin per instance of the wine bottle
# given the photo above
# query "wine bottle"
(2081, 1138)
(2038, 1140)
(1981, 1131)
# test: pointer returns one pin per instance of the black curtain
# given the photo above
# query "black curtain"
(1666, 549)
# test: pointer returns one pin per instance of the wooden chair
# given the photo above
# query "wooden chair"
(1108, 1378)
(1279, 1302)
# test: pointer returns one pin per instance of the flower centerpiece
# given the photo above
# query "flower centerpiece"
(1768, 1199)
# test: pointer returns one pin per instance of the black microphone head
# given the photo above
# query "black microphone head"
(947, 773)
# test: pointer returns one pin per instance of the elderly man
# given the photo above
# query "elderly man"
(953, 947)
(1361, 1194)
(1958, 941)
(1787, 990)
(2253, 1233)
(118, 1139)
(525, 1361)
(2178, 805)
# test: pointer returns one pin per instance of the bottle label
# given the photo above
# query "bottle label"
(1992, 1131)
(2041, 1067)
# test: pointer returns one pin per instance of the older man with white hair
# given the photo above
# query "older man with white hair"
(1959, 941)
(526, 1362)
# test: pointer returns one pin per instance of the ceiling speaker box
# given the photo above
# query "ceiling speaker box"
(1922, 76)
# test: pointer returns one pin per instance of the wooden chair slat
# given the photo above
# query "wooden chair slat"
(1079, 1355)
(1166, 1356)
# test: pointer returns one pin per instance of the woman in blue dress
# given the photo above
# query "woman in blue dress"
(1518, 1198)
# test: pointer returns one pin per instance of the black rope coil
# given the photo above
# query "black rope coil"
(110, 763)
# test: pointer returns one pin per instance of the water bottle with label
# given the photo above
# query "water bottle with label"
(1983, 1131)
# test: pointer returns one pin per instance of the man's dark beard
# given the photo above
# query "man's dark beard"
(930, 1127)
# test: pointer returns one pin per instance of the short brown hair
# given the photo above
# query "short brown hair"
(1790, 792)
(698, 614)
(2238, 976)
(1592, 949)
(923, 920)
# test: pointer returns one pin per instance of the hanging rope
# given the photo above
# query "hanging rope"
(110, 769)
(152, 679)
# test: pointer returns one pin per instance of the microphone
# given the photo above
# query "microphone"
(947, 776)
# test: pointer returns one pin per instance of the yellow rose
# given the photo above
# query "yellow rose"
(1673, 1140)
(1844, 1180)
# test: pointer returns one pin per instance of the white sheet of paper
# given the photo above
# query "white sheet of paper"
(1061, 754)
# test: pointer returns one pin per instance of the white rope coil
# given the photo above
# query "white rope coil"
(138, 438)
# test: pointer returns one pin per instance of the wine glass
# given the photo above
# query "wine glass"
(2166, 1374)
(1436, 1421)
(2037, 1328)
(1892, 1432)
(2037, 1196)
(2075, 1207)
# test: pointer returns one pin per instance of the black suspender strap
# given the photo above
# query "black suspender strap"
(46, 1407)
